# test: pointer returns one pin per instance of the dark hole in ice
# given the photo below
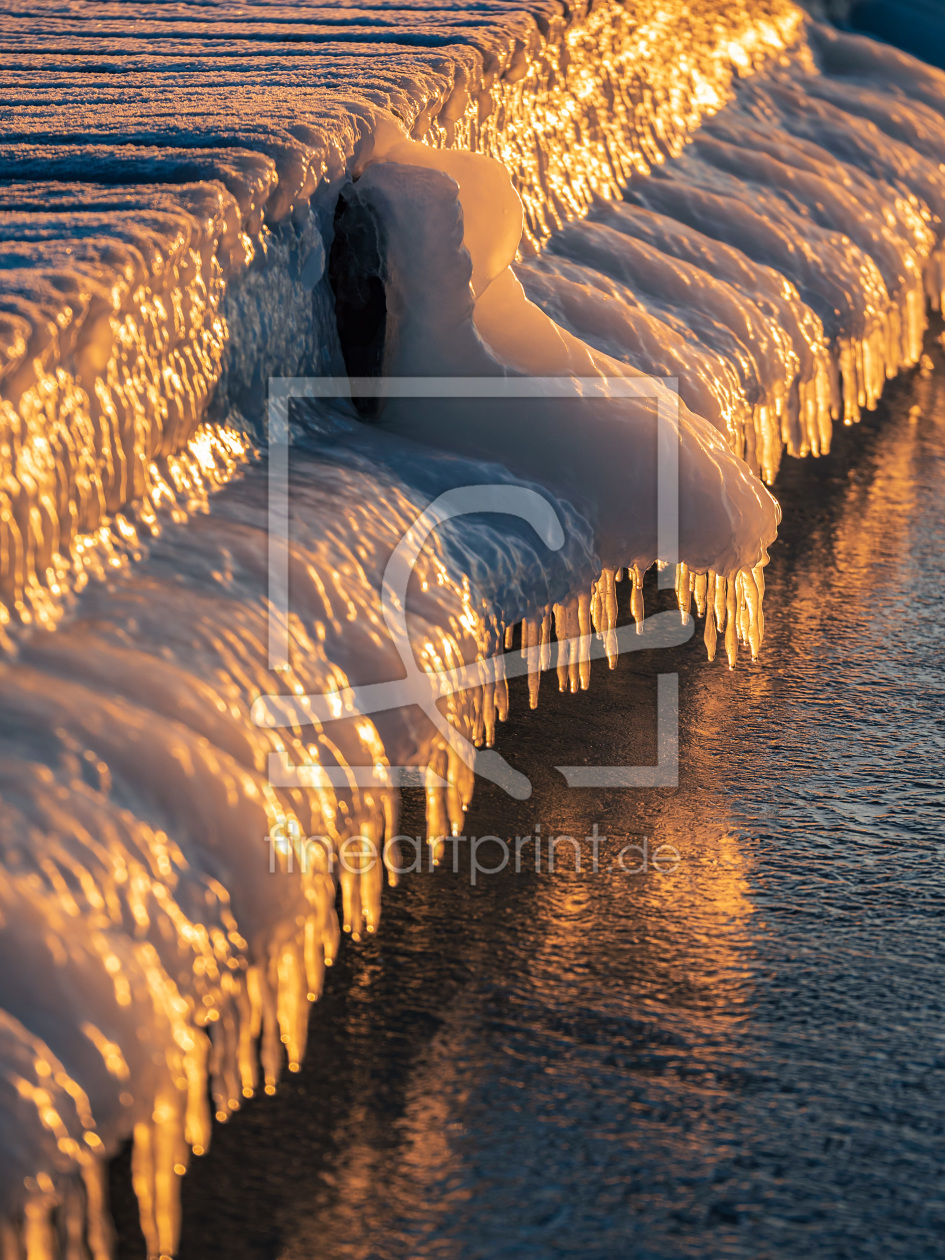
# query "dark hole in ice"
(356, 275)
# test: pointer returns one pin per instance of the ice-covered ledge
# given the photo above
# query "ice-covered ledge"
(149, 160)
(571, 98)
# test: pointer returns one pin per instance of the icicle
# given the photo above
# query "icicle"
(561, 634)
(168, 1155)
(314, 972)
(98, 1225)
(142, 1177)
(573, 622)
(478, 725)
(531, 640)
(608, 597)
(361, 854)
(683, 591)
(636, 598)
(583, 612)
(742, 616)
(216, 1065)
(38, 1234)
(721, 601)
(488, 692)
(197, 1110)
(501, 689)
(438, 825)
(291, 1005)
(270, 1053)
(596, 609)
(198, 1114)
(455, 804)
(758, 572)
(731, 624)
(545, 641)
(391, 806)
(710, 634)
(753, 609)
(348, 877)
(699, 588)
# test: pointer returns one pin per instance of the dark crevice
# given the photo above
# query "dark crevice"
(356, 275)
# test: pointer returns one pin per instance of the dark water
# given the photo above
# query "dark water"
(918, 26)
(743, 1056)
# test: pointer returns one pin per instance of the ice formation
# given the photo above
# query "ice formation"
(727, 194)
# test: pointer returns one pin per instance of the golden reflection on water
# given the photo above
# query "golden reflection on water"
(549, 959)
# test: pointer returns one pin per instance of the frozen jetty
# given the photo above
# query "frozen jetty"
(195, 199)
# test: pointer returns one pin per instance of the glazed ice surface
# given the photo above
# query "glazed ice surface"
(166, 232)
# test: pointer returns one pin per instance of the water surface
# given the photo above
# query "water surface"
(739, 1057)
